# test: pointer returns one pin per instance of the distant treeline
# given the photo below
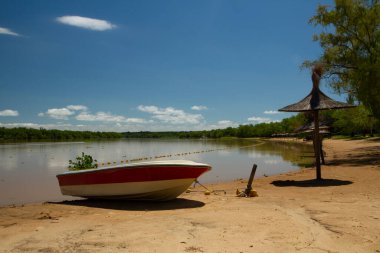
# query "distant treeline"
(30, 134)
(147, 134)
(349, 122)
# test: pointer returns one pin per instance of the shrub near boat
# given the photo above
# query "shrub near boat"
(156, 180)
(83, 162)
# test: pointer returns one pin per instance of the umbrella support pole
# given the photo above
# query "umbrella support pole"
(317, 146)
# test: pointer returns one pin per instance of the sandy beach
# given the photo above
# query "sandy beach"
(291, 214)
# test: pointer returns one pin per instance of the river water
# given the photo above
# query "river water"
(28, 170)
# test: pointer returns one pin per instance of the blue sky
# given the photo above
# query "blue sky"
(153, 65)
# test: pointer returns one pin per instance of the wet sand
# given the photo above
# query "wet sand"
(293, 213)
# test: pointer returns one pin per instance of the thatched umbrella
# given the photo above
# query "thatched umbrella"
(314, 102)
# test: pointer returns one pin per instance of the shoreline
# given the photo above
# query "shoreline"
(292, 213)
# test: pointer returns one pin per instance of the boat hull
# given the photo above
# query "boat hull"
(161, 181)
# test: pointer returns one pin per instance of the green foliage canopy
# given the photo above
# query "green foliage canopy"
(351, 43)
(352, 121)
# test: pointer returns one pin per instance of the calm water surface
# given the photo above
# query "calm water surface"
(28, 170)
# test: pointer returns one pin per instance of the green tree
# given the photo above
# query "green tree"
(352, 121)
(351, 43)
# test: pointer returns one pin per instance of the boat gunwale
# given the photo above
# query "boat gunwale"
(166, 163)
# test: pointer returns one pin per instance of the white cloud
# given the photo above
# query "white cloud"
(7, 31)
(8, 112)
(227, 123)
(100, 116)
(148, 108)
(171, 115)
(63, 113)
(271, 112)
(77, 107)
(59, 113)
(107, 117)
(82, 114)
(86, 23)
(224, 122)
(221, 124)
(258, 120)
(199, 107)
(135, 120)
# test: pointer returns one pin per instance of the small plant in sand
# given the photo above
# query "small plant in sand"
(83, 162)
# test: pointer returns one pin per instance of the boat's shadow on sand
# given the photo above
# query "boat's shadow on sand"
(128, 205)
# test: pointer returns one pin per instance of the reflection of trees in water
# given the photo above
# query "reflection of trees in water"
(300, 154)
(296, 153)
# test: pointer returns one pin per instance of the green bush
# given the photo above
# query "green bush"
(83, 162)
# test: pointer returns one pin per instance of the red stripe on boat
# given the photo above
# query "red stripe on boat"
(135, 174)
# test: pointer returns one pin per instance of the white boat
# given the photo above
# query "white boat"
(157, 180)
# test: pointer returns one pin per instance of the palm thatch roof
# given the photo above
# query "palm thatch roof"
(316, 100)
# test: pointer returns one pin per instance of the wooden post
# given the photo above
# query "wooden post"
(249, 185)
(317, 146)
